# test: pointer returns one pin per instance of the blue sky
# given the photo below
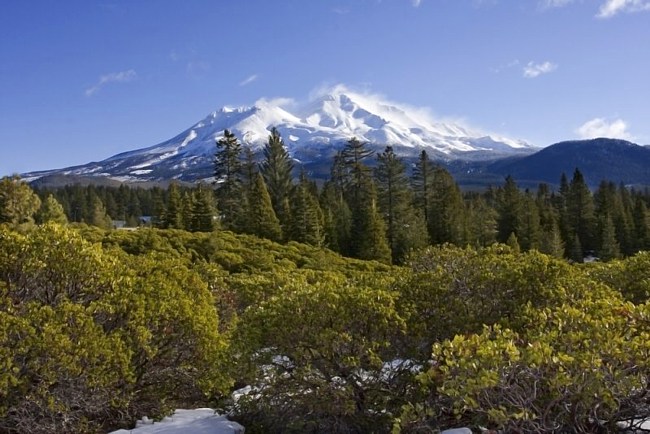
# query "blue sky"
(82, 80)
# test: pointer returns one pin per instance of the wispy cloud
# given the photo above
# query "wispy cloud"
(614, 7)
(547, 4)
(501, 68)
(248, 80)
(341, 11)
(600, 127)
(416, 3)
(114, 77)
(197, 68)
(533, 70)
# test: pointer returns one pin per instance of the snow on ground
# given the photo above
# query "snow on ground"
(199, 421)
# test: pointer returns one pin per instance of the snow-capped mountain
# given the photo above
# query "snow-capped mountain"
(312, 131)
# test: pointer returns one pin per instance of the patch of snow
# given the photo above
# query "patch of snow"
(199, 421)
(457, 431)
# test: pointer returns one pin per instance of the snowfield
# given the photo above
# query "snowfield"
(198, 421)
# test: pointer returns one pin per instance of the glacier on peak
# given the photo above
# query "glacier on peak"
(311, 129)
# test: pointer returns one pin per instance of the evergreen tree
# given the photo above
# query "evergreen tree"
(609, 248)
(99, 217)
(641, 224)
(580, 212)
(262, 220)
(529, 231)
(228, 178)
(422, 180)
(551, 242)
(447, 209)
(624, 221)
(133, 208)
(481, 222)
(276, 169)
(204, 212)
(368, 233)
(510, 210)
(51, 211)
(513, 242)
(560, 203)
(187, 210)
(173, 215)
(368, 230)
(337, 219)
(158, 208)
(576, 253)
(353, 171)
(404, 226)
(306, 215)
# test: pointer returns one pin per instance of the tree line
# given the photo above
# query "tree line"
(373, 206)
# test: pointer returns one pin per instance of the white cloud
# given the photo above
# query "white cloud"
(613, 7)
(501, 68)
(532, 70)
(416, 3)
(555, 3)
(114, 77)
(276, 102)
(248, 80)
(600, 127)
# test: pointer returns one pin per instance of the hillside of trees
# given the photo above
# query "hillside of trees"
(380, 301)
(378, 213)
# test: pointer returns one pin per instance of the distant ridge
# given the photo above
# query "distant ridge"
(598, 159)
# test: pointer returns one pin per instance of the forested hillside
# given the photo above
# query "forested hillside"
(377, 211)
(99, 327)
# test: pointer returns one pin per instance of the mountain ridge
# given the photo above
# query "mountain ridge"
(598, 159)
(312, 131)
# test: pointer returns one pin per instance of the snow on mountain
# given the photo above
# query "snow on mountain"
(311, 130)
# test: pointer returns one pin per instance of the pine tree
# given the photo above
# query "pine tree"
(575, 250)
(51, 211)
(187, 210)
(580, 212)
(354, 172)
(404, 226)
(368, 234)
(173, 215)
(510, 209)
(529, 231)
(276, 169)
(228, 175)
(422, 180)
(551, 242)
(99, 217)
(367, 230)
(249, 175)
(513, 242)
(447, 210)
(306, 215)
(481, 222)
(204, 211)
(641, 224)
(337, 219)
(262, 220)
(609, 248)
(158, 208)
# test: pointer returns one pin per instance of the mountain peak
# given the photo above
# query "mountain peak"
(311, 130)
